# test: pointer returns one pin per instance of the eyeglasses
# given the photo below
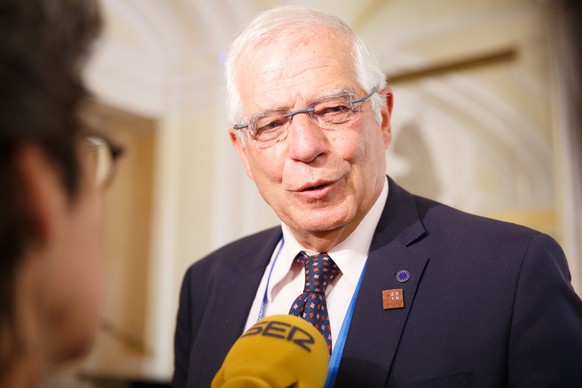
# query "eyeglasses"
(330, 112)
(103, 155)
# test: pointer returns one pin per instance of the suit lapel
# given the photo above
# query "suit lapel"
(374, 332)
(234, 299)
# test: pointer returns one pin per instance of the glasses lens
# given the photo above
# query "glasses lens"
(100, 159)
(269, 126)
(334, 110)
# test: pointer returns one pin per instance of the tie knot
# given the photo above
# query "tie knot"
(319, 271)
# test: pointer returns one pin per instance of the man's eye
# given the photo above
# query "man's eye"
(334, 109)
(268, 126)
(334, 112)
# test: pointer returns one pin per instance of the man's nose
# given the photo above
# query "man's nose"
(306, 140)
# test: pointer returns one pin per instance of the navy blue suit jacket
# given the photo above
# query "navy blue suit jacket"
(488, 304)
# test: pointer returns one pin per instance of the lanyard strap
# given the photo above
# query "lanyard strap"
(338, 347)
(265, 298)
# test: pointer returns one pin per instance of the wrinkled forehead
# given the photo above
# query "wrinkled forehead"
(297, 67)
(296, 38)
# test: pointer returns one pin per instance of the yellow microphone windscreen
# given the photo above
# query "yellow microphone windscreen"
(278, 351)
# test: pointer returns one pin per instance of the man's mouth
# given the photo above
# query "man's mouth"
(314, 186)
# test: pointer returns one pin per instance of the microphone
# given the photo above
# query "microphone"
(277, 351)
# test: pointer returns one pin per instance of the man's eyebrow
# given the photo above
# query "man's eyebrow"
(332, 94)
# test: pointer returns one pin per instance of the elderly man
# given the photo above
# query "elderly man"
(405, 290)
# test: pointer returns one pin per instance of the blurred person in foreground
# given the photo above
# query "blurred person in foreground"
(52, 173)
(422, 294)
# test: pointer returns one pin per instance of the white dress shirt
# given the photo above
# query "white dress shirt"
(284, 278)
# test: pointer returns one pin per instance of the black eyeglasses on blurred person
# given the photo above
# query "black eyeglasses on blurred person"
(103, 155)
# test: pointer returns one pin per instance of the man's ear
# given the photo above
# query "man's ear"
(237, 142)
(42, 192)
(387, 116)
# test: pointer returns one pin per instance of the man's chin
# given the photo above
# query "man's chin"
(320, 225)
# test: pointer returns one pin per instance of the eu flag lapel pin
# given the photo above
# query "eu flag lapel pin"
(402, 276)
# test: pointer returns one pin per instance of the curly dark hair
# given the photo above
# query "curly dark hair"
(43, 44)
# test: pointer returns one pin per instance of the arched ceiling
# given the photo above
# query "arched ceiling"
(151, 50)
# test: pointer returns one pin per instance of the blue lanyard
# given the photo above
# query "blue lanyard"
(265, 299)
(338, 347)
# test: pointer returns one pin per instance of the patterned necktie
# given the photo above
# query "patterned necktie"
(310, 305)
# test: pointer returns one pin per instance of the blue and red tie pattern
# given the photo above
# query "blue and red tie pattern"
(310, 305)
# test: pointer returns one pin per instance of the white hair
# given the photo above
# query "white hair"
(280, 22)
